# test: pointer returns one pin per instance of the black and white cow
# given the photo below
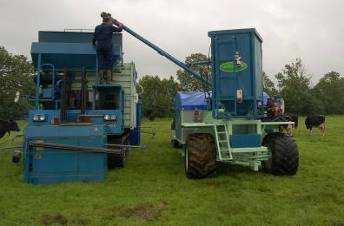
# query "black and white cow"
(7, 127)
(315, 121)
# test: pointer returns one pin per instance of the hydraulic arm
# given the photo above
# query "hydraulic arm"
(193, 73)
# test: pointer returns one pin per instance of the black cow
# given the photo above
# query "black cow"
(7, 127)
(315, 121)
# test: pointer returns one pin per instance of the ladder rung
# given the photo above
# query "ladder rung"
(223, 145)
(224, 151)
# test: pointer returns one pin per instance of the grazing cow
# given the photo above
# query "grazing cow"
(7, 126)
(315, 121)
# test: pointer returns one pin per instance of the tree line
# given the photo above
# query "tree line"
(293, 83)
(16, 74)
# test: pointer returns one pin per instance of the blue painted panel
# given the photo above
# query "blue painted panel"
(60, 36)
(54, 162)
(78, 37)
(97, 118)
(65, 130)
(73, 115)
(44, 166)
(62, 48)
(64, 55)
(97, 167)
(258, 68)
(245, 140)
(70, 49)
(225, 45)
(110, 127)
(72, 37)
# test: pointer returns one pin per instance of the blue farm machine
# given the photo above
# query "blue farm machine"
(227, 123)
(79, 127)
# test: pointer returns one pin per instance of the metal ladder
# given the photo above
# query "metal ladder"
(222, 142)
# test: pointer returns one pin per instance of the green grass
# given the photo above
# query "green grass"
(152, 190)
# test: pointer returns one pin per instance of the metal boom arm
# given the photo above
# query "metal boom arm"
(168, 56)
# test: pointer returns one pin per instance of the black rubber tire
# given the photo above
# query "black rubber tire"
(175, 144)
(200, 156)
(284, 154)
(117, 160)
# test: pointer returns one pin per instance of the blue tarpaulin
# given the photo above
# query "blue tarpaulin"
(196, 100)
(191, 101)
(265, 98)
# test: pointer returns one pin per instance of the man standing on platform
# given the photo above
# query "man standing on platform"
(103, 34)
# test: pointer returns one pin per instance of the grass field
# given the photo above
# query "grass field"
(152, 190)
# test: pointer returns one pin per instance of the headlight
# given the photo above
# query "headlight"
(38, 118)
(109, 117)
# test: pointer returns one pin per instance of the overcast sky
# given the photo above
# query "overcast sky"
(310, 29)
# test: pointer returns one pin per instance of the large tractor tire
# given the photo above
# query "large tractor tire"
(284, 154)
(117, 160)
(200, 156)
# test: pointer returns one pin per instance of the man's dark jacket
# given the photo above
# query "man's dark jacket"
(103, 36)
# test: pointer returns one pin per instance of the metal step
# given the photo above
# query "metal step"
(222, 142)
